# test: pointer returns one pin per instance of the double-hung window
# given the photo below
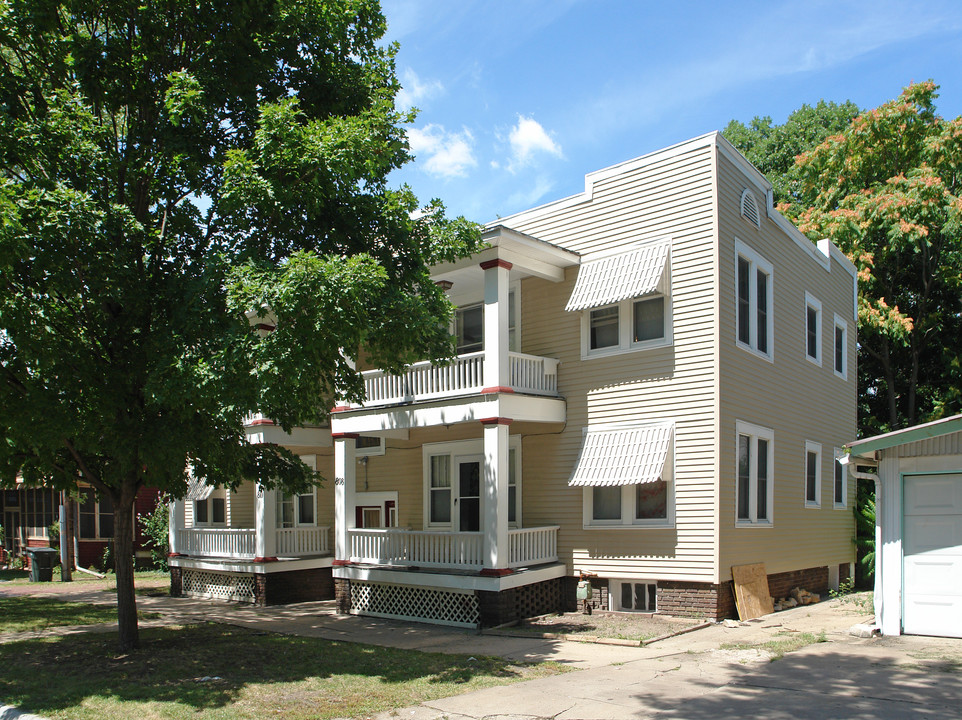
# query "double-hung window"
(754, 470)
(296, 510)
(813, 474)
(469, 325)
(813, 329)
(753, 301)
(625, 300)
(841, 348)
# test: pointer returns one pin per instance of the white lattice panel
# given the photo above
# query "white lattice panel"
(219, 586)
(404, 602)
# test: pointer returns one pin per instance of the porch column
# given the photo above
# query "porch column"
(494, 504)
(345, 479)
(175, 524)
(497, 377)
(265, 525)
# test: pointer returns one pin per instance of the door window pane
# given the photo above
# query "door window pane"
(469, 496)
(305, 509)
(440, 500)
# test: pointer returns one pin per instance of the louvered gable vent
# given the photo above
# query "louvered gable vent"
(750, 209)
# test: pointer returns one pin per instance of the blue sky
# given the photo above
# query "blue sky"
(518, 100)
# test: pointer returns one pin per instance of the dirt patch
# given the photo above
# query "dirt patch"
(607, 625)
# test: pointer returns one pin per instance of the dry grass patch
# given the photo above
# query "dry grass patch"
(221, 672)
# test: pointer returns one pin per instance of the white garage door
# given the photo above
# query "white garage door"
(932, 555)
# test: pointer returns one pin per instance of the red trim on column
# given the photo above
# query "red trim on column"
(344, 436)
(340, 563)
(170, 555)
(496, 572)
(496, 421)
(340, 408)
(265, 559)
(262, 421)
(497, 389)
(265, 327)
(497, 262)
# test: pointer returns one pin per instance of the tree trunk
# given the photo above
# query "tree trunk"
(124, 567)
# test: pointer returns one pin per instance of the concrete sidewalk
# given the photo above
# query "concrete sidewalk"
(716, 672)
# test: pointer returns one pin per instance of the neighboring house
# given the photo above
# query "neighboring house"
(654, 380)
(918, 518)
(28, 513)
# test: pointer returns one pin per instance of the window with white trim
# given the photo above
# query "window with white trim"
(212, 510)
(642, 504)
(840, 485)
(753, 302)
(754, 469)
(813, 474)
(633, 595)
(633, 324)
(296, 510)
(813, 329)
(469, 324)
(841, 348)
(369, 445)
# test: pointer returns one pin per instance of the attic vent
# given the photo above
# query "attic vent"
(750, 209)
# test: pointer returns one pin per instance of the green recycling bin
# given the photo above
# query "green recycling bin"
(42, 561)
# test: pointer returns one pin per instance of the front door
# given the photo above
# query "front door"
(468, 499)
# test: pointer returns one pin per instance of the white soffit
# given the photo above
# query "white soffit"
(614, 278)
(197, 489)
(622, 456)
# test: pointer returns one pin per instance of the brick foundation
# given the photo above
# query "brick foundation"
(342, 596)
(698, 600)
(811, 579)
(294, 586)
(176, 582)
(844, 572)
(498, 608)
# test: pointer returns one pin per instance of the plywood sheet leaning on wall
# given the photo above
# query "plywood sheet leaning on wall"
(751, 591)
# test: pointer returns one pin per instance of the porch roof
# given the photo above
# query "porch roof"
(622, 456)
(198, 489)
(620, 276)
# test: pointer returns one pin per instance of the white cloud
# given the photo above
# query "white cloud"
(413, 90)
(527, 139)
(442, 153)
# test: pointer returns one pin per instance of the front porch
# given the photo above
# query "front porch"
(241, 543)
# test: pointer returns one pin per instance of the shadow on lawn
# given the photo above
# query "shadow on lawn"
(207, 666)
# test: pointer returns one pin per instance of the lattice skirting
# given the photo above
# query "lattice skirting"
(219, 586)
(404, 602)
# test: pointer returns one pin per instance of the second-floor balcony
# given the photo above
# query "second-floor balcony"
(527, 374)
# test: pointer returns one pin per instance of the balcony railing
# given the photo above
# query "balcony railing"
(455, 551)
(463, 376)
(240, 543)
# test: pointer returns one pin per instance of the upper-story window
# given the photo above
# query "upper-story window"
(841, 348)
(625, 300)
(469, 325)
(753, 300)
(813, 329)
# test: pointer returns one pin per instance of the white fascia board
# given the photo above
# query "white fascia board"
(523, 408)
(467, 583)
(592, 178)
(527, 254)
(248, 566)
(305, 437)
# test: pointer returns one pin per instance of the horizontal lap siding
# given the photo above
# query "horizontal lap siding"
(673, 197)
(242, 506)
(797, 399)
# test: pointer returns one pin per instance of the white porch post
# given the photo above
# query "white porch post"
(265, 525)
(495, 496)
(497, 377)
(175, 524)
(345, 476)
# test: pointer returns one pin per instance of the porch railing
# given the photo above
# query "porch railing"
(240, 543)
(456, 551)
(463, 376)
(303, 541)
(216, 542)
(532, 546)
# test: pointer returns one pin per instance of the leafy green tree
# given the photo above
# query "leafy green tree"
(773, 148)
(887, 191)
(173, 175)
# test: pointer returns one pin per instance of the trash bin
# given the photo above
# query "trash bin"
(42, 560)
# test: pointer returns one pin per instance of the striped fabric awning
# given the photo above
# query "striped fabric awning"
(618, 277)
(197, 489)
(622, 456)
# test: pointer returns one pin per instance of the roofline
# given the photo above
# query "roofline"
(906, 435)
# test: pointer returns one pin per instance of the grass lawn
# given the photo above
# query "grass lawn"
(783, 643)
(19, 614)
(227, 673)
(22, 577)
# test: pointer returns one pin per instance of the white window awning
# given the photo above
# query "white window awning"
(197, 489)
(614, 278)
(622, 456)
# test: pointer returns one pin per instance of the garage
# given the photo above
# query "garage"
(918, 539)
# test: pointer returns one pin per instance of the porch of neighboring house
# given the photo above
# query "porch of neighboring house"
(450, 449)
(249, 545)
